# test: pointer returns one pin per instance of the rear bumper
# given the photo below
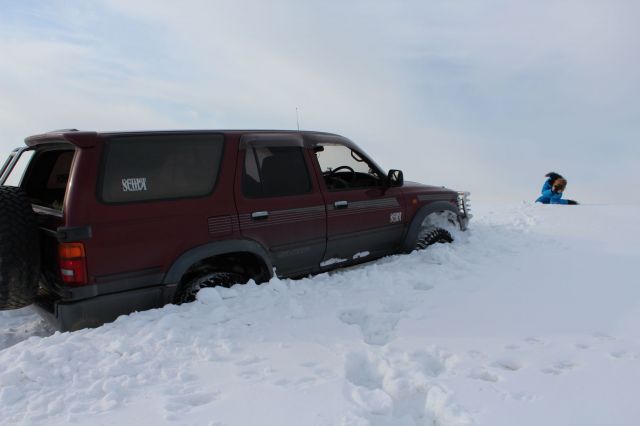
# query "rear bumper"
(98, 310)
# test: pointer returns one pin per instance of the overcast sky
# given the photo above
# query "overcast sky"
(485, 96)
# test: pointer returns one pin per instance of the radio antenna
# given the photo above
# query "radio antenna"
(297, 119)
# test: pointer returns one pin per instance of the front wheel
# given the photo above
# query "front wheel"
(433, 236)
(187, 292)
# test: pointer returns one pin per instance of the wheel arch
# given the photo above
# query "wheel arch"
(411, 236)
(201, 254)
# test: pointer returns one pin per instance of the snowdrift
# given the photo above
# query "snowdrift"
(529, 318)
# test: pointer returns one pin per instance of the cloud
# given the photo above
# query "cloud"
(486, 97)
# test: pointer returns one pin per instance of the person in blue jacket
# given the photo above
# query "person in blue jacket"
(552, 190)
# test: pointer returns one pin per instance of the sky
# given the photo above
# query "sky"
(480, 96)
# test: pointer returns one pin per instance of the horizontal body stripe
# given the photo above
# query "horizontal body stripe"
(359, 212)
(221, 225)
(434, 197)
(320, 208)
(368, 204)
(275, 215)
(314, 213)
(347, 211)
(281, 217)
(271, 221)
(386, 205)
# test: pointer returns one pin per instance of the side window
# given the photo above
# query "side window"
(160, 167)
(274, 172)
(343, 168)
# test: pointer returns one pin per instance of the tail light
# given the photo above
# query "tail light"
(73, 263)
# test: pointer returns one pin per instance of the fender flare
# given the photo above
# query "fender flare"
(411, 236)
(182, 264)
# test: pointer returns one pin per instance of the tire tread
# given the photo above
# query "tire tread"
(19, 249)
(437, 235)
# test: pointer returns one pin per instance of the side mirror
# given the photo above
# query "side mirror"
(395, 178)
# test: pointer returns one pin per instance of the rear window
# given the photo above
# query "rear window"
(46, 176)
(160, 167)
(15, 176)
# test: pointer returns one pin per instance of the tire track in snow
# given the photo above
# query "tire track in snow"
(389, 388)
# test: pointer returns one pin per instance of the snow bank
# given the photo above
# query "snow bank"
(529, 318)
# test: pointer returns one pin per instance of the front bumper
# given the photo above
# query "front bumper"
(464, 209)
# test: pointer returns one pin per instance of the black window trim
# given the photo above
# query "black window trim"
(276, 139)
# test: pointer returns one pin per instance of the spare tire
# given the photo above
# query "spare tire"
(19, 249)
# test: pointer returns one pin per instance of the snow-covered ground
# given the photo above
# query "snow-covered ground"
(530, 318)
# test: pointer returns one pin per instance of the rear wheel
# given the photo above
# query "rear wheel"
(19, 249)
(187, 292)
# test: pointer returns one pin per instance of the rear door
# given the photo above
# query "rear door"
(279, 201)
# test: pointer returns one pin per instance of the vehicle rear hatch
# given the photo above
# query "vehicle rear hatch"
(42, 169)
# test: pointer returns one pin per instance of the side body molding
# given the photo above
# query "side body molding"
(410, 238)
(195, 255)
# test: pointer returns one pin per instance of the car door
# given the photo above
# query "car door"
(279, 201)
(365, 217)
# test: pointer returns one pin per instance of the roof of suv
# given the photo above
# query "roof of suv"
(89, 138)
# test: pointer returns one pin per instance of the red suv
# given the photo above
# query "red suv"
(95, 225)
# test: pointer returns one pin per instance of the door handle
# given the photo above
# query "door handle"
(341, 204)
(259, 215)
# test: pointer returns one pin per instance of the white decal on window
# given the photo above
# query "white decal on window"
(395, 217)
(134, 184)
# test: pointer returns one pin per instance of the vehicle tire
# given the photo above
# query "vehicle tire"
(19, 249)
(433, 236)
(187, 292)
